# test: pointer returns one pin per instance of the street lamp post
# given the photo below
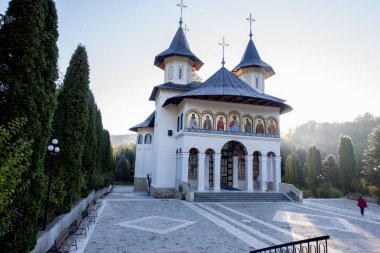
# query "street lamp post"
(320, 178)
(53, 150)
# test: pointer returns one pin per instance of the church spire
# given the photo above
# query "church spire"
(181, 5)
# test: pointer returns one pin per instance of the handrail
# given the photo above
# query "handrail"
(292, 246)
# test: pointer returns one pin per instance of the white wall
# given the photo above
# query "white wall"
(144, 153)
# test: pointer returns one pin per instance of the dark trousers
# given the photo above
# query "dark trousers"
(362, 210)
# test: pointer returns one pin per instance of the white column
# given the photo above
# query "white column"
(216, 174)
(176, 169)
(207, 164)
(249, 172)
(201, 172)
(277, 174)
(185, 166)
(235, 171)
(263, 172)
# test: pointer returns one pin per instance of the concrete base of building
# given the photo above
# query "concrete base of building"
(140, 184)
(162, 193)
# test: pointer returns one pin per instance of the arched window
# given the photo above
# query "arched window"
(257, 82)
(148, 139)
(140, 139)
(178, 124)
(193, 164)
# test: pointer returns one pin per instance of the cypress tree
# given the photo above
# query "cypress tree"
(70, 125)
(89, 153)
(28, 60)
(372, 159)
(313, 168)
(291, 169)
(331, 171)
(347, 163)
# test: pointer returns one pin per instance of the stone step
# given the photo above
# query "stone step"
(239, 197)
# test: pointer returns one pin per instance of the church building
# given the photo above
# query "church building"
(218, 135)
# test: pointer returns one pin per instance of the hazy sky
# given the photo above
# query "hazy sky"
(325, 53)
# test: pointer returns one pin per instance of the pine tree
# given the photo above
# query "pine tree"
(291, 169)
(331, 171)
(313, 167)
(372, 159)
(347, 163)
(28, 60)
(70, 126)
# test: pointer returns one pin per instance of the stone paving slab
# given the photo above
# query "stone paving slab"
(131, 222)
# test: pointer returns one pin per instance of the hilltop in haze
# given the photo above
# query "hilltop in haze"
(123, 140)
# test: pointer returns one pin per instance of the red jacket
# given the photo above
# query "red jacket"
(362, 203)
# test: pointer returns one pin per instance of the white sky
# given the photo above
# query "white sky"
(325, 53)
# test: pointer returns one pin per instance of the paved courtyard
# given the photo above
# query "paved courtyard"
(134, 222)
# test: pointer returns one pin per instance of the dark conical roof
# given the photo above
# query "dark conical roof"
(179, 46)
(224, 86)
(149, 122)
(251, 58)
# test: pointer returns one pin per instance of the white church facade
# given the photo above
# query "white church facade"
(216, 135)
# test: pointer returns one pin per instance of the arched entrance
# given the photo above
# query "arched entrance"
(232, 165)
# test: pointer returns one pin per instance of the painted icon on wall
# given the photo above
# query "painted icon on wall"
(259, 126)
(234, 123)
(221, 123)
(247, 124)
(207, 121)
(272, 127)
(193, 120)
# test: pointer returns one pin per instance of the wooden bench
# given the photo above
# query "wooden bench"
(81, 226)
(353, 196)
(64, 241)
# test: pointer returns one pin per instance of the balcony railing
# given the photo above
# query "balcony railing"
(311, 245)
(204, 131)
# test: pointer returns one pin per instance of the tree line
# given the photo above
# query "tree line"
(350, 152)
(32, 112)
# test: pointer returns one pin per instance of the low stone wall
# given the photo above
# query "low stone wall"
(140, 184)
(45, 239)
(289, 188)
(162, 193)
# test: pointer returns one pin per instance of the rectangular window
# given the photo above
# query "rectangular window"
(181, 122)
(178, 124)
(257, 82)
(170, 73)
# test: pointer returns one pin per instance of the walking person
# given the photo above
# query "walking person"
(362, 204)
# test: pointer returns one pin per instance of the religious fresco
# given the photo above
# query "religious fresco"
(193, 164)
(259, 126)
(247, 124)
(207, 121)
(193, 120)
(272, 126)
(234, 122)
(221, 122)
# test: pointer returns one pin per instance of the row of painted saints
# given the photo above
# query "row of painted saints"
(233, 125)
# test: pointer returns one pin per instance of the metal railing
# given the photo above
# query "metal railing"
(311, 245)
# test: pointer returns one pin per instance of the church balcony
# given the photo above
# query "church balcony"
(204, 131)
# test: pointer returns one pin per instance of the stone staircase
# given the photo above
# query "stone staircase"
(241, 197)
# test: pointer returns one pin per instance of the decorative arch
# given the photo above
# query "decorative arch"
(259, 124)
(247, 123)
(221, 121)
(192, 122)
(234, 121)
(207, 120)
(140, 139)
(193, 164)
(271, 154)
(272, 125)
(148, 139)
(209, 151)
